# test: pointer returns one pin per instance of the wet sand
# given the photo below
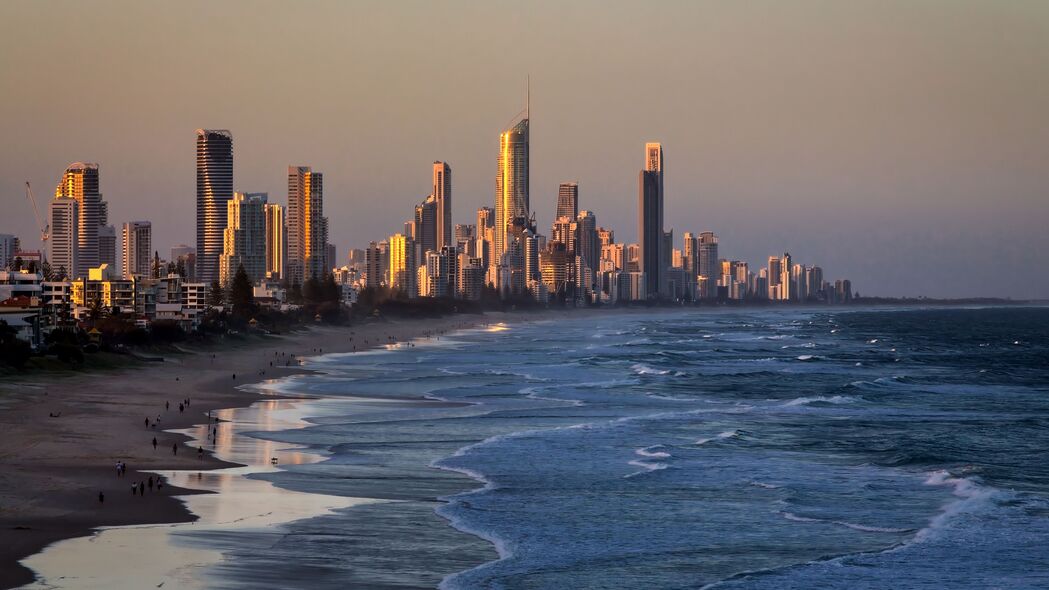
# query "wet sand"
(55, 467)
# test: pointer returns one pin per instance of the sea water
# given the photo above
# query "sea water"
(897, 448)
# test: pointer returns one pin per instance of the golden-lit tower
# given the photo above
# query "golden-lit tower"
(80, 182)
(442, 192)
(511, 178)
(307, 227)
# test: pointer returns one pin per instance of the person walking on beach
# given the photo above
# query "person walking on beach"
(154, 443)
(118, 468)
(200, 453)
(150, 483)
(180, 408)
(142, 488)
(101, 498)
(174, 448)
(134, 488)
(147, 422)
(167, 405)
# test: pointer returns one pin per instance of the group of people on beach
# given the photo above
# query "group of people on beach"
(138, 488)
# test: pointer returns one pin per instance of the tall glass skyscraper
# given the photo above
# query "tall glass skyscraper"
(650, 220)
(214, 190)
(511, 181)
(307, 226)
(567, 200)
(442, 192)
(80, 182)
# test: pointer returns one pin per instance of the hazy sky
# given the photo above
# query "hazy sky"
(904, 145)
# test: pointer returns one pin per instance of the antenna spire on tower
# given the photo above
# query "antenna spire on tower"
(528, 93)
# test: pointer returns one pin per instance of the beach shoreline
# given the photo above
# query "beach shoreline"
(56, 466)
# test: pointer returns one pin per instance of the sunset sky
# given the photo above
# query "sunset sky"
(902, 144)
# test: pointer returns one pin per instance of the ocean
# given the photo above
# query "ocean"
(728, 449)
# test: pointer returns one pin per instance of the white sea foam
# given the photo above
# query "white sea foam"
(971, 496)
(646, 467)
(653, 452)
(796, 518)
(851, 525)
(642, 369)
(834, 399)
(767, 486)
(809, 357)
(871, 529)
(724, 435)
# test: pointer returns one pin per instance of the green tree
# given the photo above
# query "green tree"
(311, 291)
(49, 273)
(241, 294)
(332, 293)
(216, 295)
(295, 293)
(13, 350)
(17, 264)
(97, 310)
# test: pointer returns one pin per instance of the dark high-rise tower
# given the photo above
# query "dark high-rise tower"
(650, 220)
(442, 192)
(567, 200)
(214, 190)
(649, 231)
(427, 225)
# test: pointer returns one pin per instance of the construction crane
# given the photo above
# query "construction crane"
(45, 228)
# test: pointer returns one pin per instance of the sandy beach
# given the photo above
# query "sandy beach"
(62, 436)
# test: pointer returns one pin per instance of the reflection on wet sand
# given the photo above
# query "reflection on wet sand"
(159, 555)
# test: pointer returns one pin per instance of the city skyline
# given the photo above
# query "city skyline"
(865, 171)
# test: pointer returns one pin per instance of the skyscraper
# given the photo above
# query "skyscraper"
(774, 275)
(427, 223)
(187, 255)
(650, 220)
(511, 181)
(214, 190)
(107, 245)
(136, 249)
(567, 200)
(8, 246)
(244, 239)
(587, 245)
(276, 240)
(80, 183)
(373, 267)
(63, 217)
(649, 230)
(307, 227)
(402, 268)
(690, 255)
(464, 235)
(442, 192)
(708, 259)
